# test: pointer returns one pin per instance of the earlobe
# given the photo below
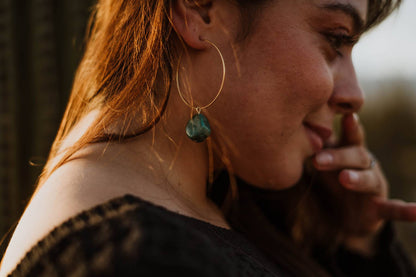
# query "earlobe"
(191, 19)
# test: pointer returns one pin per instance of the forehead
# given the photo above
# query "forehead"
(360, 6)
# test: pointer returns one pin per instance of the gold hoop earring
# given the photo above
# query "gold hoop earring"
(198, 128)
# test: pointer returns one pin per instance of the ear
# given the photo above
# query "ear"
(191, 19)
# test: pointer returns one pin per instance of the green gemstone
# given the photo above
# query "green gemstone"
(198, 128)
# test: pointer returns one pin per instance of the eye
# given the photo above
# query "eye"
(337, 41)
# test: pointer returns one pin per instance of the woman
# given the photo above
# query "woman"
(258, 84)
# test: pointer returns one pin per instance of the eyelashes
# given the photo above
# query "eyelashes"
(337, 41)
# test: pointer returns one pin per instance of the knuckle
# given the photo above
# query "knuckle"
(373, 183)
(363, 157)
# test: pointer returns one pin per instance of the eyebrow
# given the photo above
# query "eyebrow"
(350, 11)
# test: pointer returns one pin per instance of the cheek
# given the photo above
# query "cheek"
(276, 84)
(289, 62)
(284, 83)
(307, 78)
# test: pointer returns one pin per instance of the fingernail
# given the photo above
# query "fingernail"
(353, 177)
(324, 158)
(356, 117)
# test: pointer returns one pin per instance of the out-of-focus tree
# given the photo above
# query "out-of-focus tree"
(389, 117)
(40, 46)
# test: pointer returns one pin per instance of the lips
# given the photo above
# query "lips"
(317, 135)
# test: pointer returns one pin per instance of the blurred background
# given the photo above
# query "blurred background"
(385, 61)
(41, 42)
(40, 46)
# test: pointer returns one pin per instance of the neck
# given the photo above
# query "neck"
(165, 155)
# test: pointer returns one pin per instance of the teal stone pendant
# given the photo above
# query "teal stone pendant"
(198, 128)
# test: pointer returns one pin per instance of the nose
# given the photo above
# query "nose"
(347, 96)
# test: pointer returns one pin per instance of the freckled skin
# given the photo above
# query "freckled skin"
(284, 79)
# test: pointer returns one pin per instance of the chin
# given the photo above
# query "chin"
(287, 181)
(275, 179)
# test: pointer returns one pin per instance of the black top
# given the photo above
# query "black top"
(128, 236)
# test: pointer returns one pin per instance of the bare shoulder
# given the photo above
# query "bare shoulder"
(74, 187)
(97, 174)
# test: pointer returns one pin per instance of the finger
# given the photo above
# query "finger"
(365, 181)
(352, 130)
(396, 210)
(354, 157)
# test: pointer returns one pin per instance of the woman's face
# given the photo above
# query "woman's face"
(293, 74)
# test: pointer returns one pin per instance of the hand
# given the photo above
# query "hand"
(360, 189)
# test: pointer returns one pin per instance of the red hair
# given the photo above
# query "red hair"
(126, 71)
